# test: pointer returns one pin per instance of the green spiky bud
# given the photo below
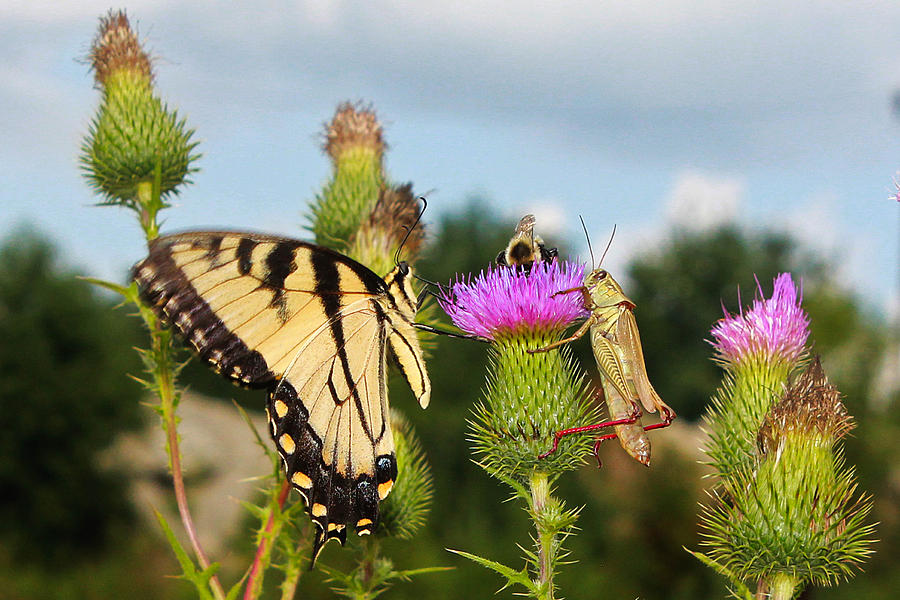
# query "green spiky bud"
(404, 512)
(528, 396)
(810, 409)
(796, 517)
(134, 140)
(354, 142)
(527, 399)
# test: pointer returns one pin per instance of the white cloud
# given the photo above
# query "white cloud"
(699, 201)
(612, 93)
(813, 222)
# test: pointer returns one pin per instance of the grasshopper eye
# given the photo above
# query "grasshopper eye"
(601, 274)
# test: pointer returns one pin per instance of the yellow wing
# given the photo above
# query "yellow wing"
(313, 327)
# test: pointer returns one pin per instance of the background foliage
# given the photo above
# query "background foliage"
(66, 526)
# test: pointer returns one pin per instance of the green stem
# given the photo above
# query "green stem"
(367, 570)
(289, 585)
(782, 586)
(149, 204)
(540, 495)
(165, 385)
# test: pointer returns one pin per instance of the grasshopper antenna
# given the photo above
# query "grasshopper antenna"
(409, 230)
(588, 238)
(608, 244)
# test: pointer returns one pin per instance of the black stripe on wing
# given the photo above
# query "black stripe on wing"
(165, 288)
(334, 499)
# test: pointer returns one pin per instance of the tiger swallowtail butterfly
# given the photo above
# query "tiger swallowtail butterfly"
(313, 328)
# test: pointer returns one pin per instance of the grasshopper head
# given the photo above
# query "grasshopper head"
(604, 290)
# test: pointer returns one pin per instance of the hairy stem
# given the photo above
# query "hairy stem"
(165, 385)
(149, 203)
(264, 550)
(782, 586)
(164, 371)
(540, 494)
(289, 585)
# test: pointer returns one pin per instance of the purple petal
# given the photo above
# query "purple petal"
(775, 327)
(505, 300)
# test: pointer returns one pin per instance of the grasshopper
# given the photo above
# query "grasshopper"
(617, 349)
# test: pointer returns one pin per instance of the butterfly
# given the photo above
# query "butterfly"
(312, 327)
(525, 248)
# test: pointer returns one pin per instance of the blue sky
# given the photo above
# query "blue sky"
(642, 114)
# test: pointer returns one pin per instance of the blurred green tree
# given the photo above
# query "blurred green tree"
(64, 396)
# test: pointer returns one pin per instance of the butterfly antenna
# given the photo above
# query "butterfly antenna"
(608, 244)
(428, 281)
(588, 238)
(409, 230)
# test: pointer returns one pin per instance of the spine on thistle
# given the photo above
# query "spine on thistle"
(134, 141)
(787, 514)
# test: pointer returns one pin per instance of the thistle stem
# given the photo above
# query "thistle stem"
(540, 494)
(289, 585)
(264, 550)
(164, 378)
(782, 586)
(165, 383)
(149, 204)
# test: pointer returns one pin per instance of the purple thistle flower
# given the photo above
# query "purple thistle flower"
(505, 300)
(776, 327)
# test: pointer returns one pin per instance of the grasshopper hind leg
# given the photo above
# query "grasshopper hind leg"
(585, 428)
(667, 417)
(667, 414)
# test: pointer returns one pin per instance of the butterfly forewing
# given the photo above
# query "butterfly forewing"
(312, 326)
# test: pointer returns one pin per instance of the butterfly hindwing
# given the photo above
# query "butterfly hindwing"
(313, 327)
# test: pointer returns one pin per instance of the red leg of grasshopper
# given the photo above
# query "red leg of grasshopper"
(667, 416)
(564, 432)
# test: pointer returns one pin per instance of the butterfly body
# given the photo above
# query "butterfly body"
(312, 327)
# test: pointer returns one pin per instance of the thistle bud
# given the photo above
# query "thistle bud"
(116, 51)
(354, 128)
(134, 140)
(528, 397)
(811, 408)
(796, 516)
(354, 141)
(392, 222)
